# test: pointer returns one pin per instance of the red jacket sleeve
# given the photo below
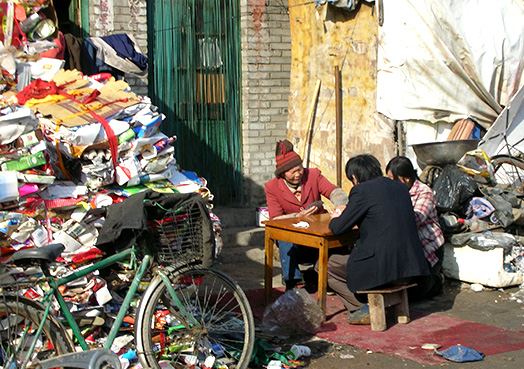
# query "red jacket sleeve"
(273, 205)
(325, 187)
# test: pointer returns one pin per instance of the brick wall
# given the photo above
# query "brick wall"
(266, 61)
(107, 17)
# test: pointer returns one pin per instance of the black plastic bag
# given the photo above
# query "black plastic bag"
(452, 189)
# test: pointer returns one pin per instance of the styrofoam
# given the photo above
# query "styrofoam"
(477, 266)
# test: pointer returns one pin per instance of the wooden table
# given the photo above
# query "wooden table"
(316, 235)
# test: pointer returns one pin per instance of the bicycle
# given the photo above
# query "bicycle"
(509, 169)
(190, 315)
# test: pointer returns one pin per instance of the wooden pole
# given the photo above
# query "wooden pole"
(338, 120)
(307, 139)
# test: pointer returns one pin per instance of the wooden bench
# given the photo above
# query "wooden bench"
(380, 300)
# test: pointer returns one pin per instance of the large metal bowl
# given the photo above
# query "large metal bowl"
(443, 152)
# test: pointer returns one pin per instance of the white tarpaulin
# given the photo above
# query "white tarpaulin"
(449, 59)
(506, 135)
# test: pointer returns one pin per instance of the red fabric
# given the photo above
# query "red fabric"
(280, 200)
(37, 89)
(92, 253)
(60, 203)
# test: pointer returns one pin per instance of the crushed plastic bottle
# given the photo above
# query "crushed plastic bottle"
(298, 351)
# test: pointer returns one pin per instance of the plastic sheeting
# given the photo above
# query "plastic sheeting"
(506, 134)
(441, 61)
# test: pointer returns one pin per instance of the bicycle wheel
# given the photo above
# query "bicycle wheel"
(508, 170)
(19, 321)
(221, 336)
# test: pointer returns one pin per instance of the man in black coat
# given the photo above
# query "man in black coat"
(388, 250)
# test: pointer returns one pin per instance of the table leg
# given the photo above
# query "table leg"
(268, 267)
(322, 277)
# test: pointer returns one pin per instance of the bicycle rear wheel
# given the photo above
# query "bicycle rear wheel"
(508, 170)
(222, 336)
(19, 321)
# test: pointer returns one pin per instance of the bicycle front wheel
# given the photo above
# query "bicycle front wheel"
(208, 323)
(19, 322)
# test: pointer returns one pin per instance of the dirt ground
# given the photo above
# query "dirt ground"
(491, 306)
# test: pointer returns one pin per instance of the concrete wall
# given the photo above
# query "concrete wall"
(323, 38)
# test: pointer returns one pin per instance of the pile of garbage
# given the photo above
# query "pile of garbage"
(58, 160)
(476, 211)
(70, 143)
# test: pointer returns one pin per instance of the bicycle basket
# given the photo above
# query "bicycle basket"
(178, 236)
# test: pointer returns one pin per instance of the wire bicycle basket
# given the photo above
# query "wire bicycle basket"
(178, 236)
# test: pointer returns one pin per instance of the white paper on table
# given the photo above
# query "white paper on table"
(301, 224)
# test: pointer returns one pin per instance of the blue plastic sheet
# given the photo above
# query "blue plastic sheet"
(461, 354)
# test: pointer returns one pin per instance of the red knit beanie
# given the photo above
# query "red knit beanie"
(286, 157)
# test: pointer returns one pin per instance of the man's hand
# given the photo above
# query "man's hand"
(337, 211)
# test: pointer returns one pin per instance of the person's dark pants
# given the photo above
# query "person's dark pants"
(430, 286)
(336, 278)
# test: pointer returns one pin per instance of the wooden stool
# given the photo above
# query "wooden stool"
(380, 300)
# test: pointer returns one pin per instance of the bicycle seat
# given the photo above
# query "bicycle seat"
(28, 257)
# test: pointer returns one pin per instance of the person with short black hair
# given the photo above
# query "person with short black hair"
(401, 169)
(297, 192)
(388, 250)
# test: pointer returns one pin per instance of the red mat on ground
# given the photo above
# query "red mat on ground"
(405, 340)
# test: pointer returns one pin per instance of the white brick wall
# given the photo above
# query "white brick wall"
(266, 62)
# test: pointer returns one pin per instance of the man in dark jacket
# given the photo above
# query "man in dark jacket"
(388, 250)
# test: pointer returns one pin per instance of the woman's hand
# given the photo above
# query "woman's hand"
(306, 212)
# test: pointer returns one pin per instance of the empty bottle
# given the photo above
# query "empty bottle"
(475, 225)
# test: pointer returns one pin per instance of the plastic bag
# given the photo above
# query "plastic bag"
(485, 241)
(476, 163)
(452, 189)
(295, 312)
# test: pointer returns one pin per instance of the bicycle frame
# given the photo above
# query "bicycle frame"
(123, 255)
(56, 283)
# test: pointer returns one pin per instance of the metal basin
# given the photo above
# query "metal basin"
(443, 152)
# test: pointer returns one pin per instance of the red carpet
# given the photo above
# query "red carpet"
(405, 340)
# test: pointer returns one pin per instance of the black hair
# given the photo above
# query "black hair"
(364, 167)
(401, 166)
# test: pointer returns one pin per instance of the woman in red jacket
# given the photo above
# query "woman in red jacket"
(296, 192)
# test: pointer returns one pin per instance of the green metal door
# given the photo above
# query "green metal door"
(194, 79)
